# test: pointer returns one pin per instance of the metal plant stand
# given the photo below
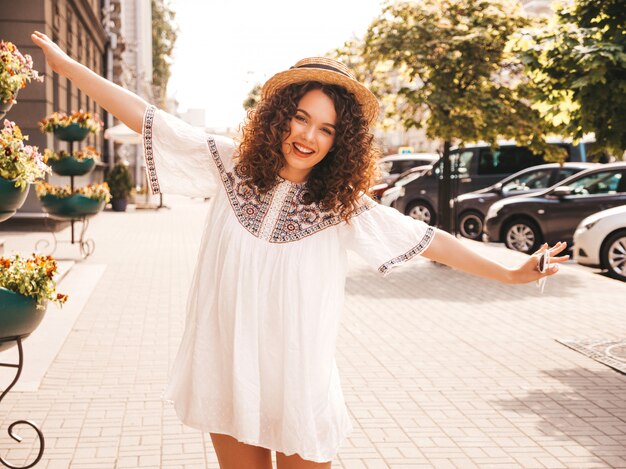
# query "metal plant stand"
(74, 214)
(13, 435)
(86, 246)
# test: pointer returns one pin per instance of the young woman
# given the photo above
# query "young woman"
(256, 364)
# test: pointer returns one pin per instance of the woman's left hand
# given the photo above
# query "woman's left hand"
(529, 270)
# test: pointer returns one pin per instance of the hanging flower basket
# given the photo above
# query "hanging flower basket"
(77, 163)
(71, 166)
(71, 133)
(72, 207)
(16, 71)
(19, 316)
(6, 106)
(11, 198)
(72, 128)
(26, 287)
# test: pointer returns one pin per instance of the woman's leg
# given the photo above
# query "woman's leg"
(232, 454)
(296, 462)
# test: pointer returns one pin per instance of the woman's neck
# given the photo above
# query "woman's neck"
(294, 175)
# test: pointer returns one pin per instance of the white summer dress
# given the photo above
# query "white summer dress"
(256, 360)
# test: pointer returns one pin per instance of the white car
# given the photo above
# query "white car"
(600, 241)
(390, 194)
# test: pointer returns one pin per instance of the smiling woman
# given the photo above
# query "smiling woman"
(256, 365)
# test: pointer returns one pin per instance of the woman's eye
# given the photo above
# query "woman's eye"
(327, 131)
(300, 118)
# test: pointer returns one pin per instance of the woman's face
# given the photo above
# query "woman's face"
(311, 135)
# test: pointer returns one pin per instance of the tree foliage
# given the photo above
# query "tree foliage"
(446, 65)
(578, 67)
(164, 34)
(254, 96)
(457, 76)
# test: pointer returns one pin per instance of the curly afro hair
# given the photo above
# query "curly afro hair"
(337, 182)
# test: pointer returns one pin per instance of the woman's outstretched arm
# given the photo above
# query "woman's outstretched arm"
(448, 250)
(123, 104)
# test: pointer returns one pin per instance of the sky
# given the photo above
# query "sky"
(225, 47)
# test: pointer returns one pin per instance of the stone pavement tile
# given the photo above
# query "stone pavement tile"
(445, 369)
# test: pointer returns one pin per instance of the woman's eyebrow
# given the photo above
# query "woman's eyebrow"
(309, 115)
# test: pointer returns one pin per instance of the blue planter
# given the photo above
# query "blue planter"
(70, 166)
(71, 133)
(19, 316)
(11, 198)
(73, 207)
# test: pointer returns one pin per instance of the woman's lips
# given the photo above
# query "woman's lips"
(297, 148)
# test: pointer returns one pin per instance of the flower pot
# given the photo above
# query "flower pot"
(67, 208)
(19, 317)
(70, 166)
(119, 205)
(71, 133)
(4, 107)
(11, 198)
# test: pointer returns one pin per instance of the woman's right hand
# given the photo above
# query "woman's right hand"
(58, 60)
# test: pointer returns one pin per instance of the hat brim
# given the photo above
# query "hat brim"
(367, 100)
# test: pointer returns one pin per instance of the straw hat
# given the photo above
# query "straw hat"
(326, 71)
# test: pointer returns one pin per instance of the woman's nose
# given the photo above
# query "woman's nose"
(309, 132)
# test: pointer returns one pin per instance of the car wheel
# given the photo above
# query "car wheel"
(613, 255)
(471, 224)
(421, 210)
(522, 236)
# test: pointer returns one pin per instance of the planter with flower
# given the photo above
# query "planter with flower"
(26, 286)
(73, 127)
(64, 204)
(121, 185)
(16, 70)
(20, 165)
(76, 163)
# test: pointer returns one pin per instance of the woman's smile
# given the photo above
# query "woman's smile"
(302, 150)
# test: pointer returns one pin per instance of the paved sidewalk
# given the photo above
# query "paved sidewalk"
(439, 369)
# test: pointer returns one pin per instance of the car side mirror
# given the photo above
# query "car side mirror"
(562, 191)
(498, 188)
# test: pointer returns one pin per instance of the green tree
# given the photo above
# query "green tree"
(455, 74)
(578, 67)
(164, 34)
(254, 96)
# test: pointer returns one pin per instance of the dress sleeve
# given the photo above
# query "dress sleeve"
(182, 159)
(384, 237)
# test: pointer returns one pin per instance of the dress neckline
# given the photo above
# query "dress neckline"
(282, 180)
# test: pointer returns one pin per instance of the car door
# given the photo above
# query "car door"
(464, 166)
(591, 193)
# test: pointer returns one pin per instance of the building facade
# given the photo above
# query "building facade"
(76, 25)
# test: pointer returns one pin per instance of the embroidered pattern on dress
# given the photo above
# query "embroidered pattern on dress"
(249, 206)
(414, 251)
(280, 215)
(147, 150)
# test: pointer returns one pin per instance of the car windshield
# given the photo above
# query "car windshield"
(603, 182)
(530, 180)
(412, 176)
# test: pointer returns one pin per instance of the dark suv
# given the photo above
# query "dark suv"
(472, 207)
(524, 222)
(476, 167)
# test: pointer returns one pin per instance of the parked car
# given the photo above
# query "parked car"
(477, 166)
(600, 241)
(525, 221)
(389, 194)
(393, 166)
(472, 207)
